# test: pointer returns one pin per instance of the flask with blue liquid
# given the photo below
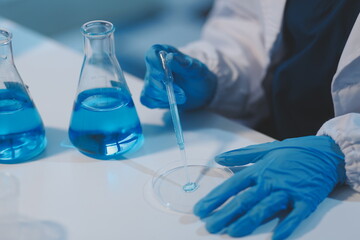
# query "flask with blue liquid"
(22, 133)
(104, 122)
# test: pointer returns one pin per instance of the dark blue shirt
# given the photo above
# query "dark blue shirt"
(314, 33)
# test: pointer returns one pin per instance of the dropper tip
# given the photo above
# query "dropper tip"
(162, 54)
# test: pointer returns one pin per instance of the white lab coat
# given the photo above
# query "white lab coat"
(239, 42)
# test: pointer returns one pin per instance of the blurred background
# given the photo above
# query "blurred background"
(139, 23)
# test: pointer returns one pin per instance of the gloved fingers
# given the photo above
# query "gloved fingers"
(180, 95)
(224, 191)
(245, 155)
(154, 93)
(264, 210)
(152, 58)
(253, 153)
(152, 102)
(183, 64)
(236, 207)
(289, 224)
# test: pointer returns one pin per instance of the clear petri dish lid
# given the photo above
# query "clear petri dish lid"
(179, 188)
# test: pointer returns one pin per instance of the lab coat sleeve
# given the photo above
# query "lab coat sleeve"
(345, 130)
(232, 46)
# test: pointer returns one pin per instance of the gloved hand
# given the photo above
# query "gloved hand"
(194, 84)
(294, 175)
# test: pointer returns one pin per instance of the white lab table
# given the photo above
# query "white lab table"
(65, 195)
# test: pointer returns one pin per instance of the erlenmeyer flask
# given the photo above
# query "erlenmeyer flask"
(104, 122)
(22, 134)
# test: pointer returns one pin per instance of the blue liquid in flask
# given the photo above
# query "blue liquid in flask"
(105, 123)
(22, 134)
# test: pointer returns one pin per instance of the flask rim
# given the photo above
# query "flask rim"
(97, 28)
(5, 36)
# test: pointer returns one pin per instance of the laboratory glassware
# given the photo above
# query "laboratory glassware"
(104, 122)
(22, 133)
(178, 186)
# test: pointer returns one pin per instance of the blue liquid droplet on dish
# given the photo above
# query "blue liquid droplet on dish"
(190, 187)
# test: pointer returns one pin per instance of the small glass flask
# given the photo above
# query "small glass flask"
(22, 133)
(104, 122)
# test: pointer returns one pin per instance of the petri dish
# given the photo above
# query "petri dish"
(179, 188)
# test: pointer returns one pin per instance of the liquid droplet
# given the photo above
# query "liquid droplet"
(190, 187)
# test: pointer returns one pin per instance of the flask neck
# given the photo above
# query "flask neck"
(99, 47)
(6, 54)
(98, 38)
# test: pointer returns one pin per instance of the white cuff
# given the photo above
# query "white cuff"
(345, 130)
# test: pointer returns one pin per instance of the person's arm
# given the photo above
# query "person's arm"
(222, 71)
(235, 46)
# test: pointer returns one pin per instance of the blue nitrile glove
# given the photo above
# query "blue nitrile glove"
(294, 175)
(194, 84)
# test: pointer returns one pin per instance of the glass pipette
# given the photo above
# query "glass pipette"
(168, 81)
